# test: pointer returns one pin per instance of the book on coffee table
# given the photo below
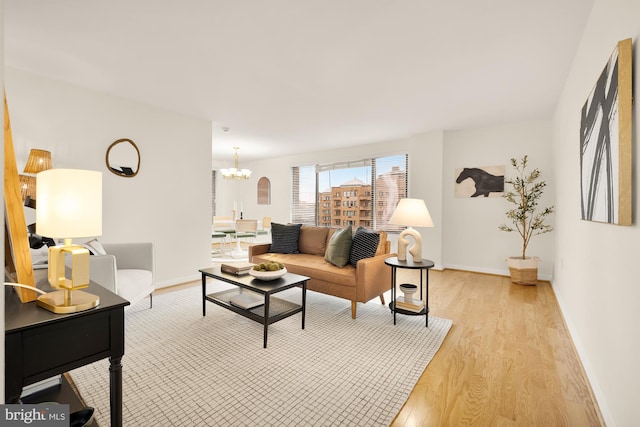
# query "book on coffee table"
(247, 300)
(238, 268)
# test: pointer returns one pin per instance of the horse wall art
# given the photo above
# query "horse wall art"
(474, 182)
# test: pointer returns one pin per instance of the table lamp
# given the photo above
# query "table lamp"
(69, 206)
(411, 213)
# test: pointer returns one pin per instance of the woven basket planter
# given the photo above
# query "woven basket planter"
(523, 271)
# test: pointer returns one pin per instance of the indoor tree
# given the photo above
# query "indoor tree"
(526, 191)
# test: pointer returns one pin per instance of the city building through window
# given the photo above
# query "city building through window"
(357, 193)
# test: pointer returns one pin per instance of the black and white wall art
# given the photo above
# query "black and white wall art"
(486, 181)
(605, 142)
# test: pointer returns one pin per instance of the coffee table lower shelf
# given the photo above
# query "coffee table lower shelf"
(278, 308)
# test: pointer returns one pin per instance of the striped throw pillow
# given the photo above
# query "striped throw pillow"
(364, 245)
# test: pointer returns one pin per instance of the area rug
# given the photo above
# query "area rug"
(183, 369)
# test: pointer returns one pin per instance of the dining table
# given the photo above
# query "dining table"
(228, 227)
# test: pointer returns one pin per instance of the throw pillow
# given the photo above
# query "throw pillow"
(95, 247)
(365, 244)
(339, 247)
(284, 238)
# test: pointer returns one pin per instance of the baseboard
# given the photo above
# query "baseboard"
(596, 390)
(178, 281)
(493, 271)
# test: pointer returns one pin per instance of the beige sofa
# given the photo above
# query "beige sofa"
(369, 279)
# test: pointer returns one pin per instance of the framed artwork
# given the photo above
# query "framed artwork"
(487, 181)
(605, 142)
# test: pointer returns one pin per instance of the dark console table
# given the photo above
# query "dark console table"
(40, 344)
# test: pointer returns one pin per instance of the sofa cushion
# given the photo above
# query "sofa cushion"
(313, 240)
(284, 238)
(339, 247)
(364, 245)
(313, 266)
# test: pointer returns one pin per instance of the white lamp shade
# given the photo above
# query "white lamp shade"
(410, 213)
(69, 203)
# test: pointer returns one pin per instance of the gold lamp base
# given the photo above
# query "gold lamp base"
(67, 301)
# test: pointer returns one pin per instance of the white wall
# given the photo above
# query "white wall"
(425, 174)
(472, 240)
(597, 272)
(466, 234)
(164, 203)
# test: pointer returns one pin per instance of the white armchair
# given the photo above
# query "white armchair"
(128, 269)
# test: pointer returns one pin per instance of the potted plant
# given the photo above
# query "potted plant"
(527, 219)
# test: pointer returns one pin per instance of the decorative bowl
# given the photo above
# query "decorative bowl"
(268, 275)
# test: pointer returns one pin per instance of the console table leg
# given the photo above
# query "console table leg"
(115, 390)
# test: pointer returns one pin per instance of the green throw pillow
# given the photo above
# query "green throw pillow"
(339, 247)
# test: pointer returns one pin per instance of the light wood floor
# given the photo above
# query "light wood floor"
(508, 359)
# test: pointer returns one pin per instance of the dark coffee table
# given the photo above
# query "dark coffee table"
(273, 309)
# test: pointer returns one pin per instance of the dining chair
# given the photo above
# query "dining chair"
(246, 228)
(223, 226)
(221, 239)
(265, 228)
(222, 223)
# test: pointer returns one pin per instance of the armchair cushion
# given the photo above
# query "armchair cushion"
(134, 285)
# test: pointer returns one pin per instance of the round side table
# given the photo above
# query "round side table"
(424, 267)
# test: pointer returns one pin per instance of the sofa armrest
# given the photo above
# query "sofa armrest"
(103, 271)
(373, 277)
(258, 249)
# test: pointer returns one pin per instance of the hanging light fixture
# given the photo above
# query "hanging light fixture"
(235, 172)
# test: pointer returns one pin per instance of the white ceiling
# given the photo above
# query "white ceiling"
(288, 76)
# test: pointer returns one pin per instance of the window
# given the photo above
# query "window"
(304, 195)
(345, 193)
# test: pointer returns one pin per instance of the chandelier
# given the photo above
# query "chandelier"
(234, 172)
